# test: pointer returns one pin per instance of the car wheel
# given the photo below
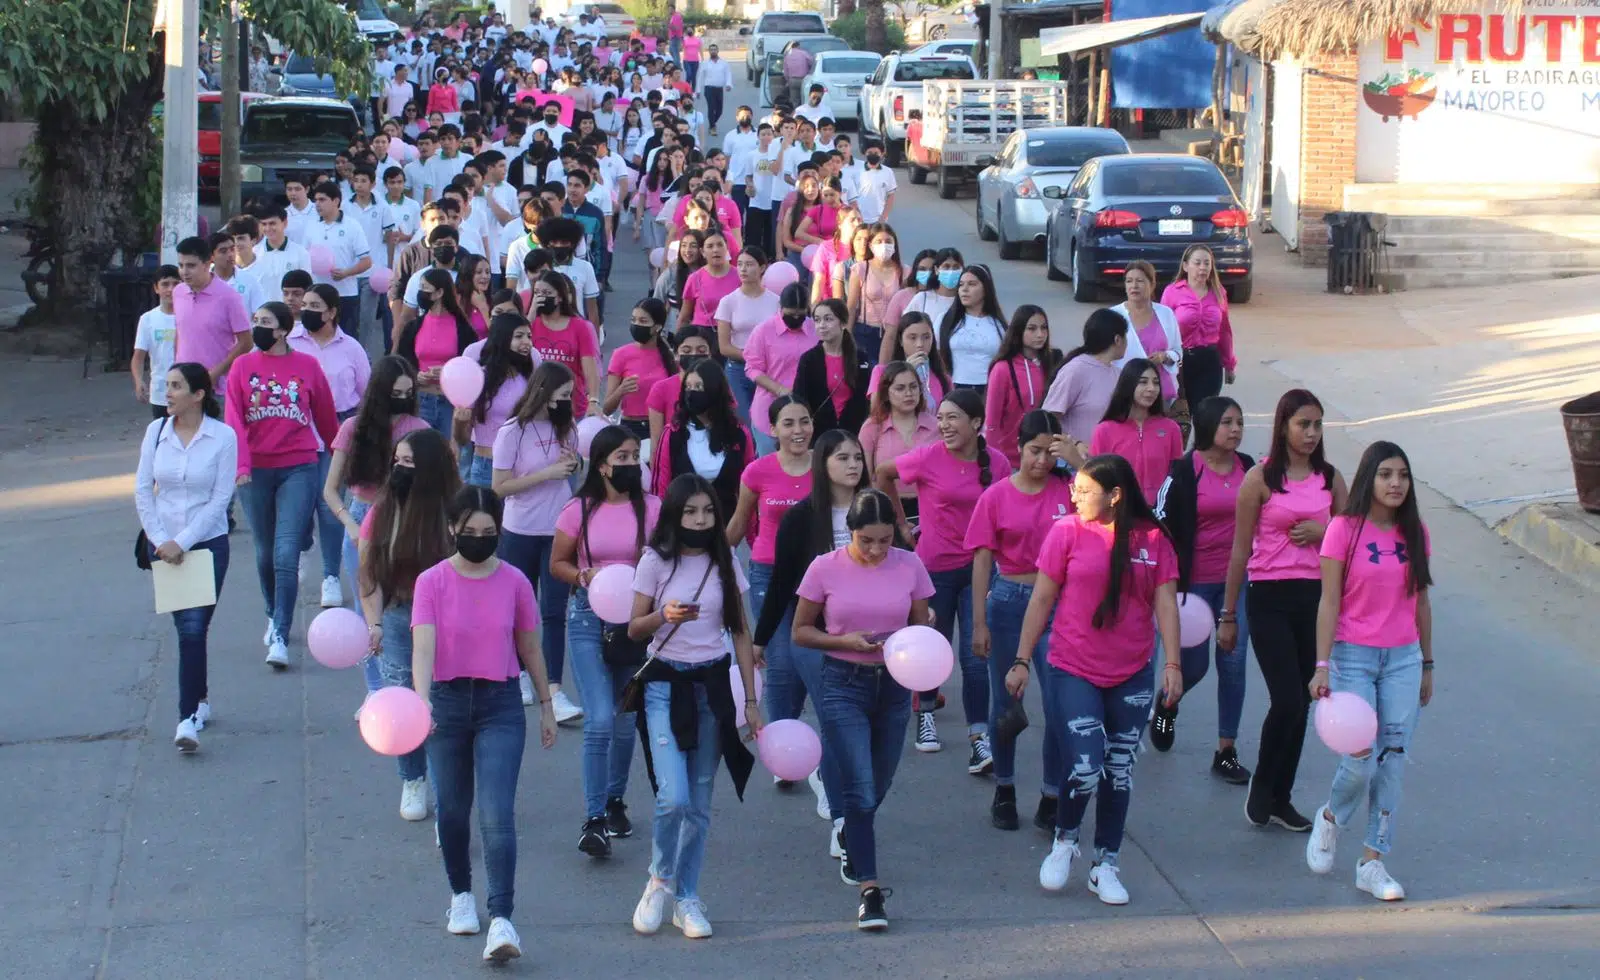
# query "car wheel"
(1240, 291)
(1008, 248)
(1084, 289)
(984, 234)
(1051, 271)
(893, 150)
(938, 33)
(947, 187)
(916, 174)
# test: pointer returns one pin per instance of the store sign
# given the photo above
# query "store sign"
(1484, 97)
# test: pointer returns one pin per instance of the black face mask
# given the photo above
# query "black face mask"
(546, 304)
(696, 402)
(444, 254)
(522, 362)
(688, 361)
(627, 478)
(641, 335)
(698, 538)
(562, 253)
(794, 321)
(477, 548)
(874, 160)
(265, 337)
(561, 413)
(311, 321)
(551, 120)
(402, 405)
(400, 478)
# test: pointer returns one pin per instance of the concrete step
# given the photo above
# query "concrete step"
(1446, 278)
(1519, 191)
(1487, 207)
(1508, 241)
(1563, 225)
(1491, 260)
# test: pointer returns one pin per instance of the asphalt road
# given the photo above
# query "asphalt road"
(277, 852)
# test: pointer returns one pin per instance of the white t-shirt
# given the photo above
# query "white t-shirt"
(399, 93)
(935, 306)
(474, 231)
(557, 132)
(438, 172)
(973, 345)
(872, 192)
(348, 243)
(815, 113)
(157, 336)
(705, 462)
(744, 313)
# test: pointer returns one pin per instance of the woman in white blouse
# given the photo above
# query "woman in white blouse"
(971, 330)
(187, 466)
(1155, 327)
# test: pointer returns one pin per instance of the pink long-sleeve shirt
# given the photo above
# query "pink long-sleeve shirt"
(773, 351)
(274, 402)
(1008, 402)
(1202, 321)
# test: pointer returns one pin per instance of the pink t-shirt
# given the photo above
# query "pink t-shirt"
(643, 363)
(702, 291)
(833, 377)
(824, 220)
(744, 314)
(1013, 524)
(569, 346)
(775, 492)
(1154, 339)
(524, 450)
(1216, 507)
(475, 620)
(1272, 555)
(948, 490)
(1149, 448)
(436, 341)
(1077, 556)
(345, 440)
(1377, 608)
(612, 533)
(499, 409)
(869, 599)
(1080, 393)
(663, 396)
(773, 351)
(698, 640)
(727, 215)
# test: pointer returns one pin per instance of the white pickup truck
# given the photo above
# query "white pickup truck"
(894, 92)
(772, 31)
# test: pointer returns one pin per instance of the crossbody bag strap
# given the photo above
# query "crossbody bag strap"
(674, 631)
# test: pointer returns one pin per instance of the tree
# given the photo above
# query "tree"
(877, 36)
(845, 8)
(90, 73)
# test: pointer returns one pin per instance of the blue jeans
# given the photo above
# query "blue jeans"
(1389, 679)
(607, 733)
(480, 470)
(479, 729)
(436, 410)
(864, 715)
(740, 384)
(530, 555)
(1102, 727)
(278, 503)
(370, 668)
(192, 626)
(1004, 609)
(395, 665)
(329, 531)
(952, 600)
(1230, 663)
(683, 788)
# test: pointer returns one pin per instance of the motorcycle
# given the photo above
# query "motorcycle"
(41, 276)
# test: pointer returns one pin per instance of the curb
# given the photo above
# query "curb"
(1563, 536)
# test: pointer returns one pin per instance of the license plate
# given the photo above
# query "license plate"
(1175, 226)
(852, 90)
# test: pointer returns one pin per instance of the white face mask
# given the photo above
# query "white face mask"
(883, 251)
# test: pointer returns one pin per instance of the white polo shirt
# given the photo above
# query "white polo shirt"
(375, 221)
(300, 222)
(272, 263)
(348, 242)
(407, 218)
(416, 172)
(873, 192)
(438, 172)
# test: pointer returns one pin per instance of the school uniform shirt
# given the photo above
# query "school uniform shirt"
(949, 490)
(584, 281)
(299, 223)
(416, 172)
(271, 264)
(376, 223)
(873, 188)
(342, 236)
(156, 335)
(1377, 608)
(1013, 525)
(438, 172)
(182, 492)
(406, 217)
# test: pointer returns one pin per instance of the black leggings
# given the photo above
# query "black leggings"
(1201, 371)
(1283, 630)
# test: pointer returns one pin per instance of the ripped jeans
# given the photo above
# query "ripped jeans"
(1101, 727)
(1389, 679)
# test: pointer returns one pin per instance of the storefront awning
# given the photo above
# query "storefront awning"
(1087, 37)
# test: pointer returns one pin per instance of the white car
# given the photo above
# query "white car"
(618, 22)
(841, 75)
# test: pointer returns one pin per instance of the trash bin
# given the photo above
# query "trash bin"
(1581, 418)
(129, 293)
(1356, 250)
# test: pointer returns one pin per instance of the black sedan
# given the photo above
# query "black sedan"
(1145, 206)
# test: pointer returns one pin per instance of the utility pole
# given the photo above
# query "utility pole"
(996, 41)
(180, 213)
(229, 162)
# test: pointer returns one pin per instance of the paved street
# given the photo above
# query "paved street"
(277, 852)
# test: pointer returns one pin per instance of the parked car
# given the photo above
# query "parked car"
(1145, 206)
(841, 75)
(966, 46)
(938, 24)
(1012, 207)
(296, 136)
(772, 83)
(619, 23)
(772, 31)
(211, 141)
(895, 91)
(375, 25)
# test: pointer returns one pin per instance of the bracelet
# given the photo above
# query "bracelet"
(544, 700)
(374, 626)
(1024, 662)
(1227, 618)
(751, 701)
(1322, 665)
(1427, 665)
(1172, 666)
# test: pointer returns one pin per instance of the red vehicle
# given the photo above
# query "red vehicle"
(211, 142)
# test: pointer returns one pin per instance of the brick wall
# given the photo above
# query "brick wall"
(1328, 146)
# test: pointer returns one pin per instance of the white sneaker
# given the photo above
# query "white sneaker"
(503, 944)
(202, 715)
(1057, 864)
(414, 800)
(463, 919)
(332, 594)
(835, 849)
(187, 738)
(1324, 838)
(564, 708)
(1103, 881)
(652, 908)
(526, 684)
(823, 810)
(267, 636)
(1373, 878)
(277, 652)
(690, 916)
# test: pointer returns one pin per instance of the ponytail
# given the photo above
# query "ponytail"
(985, 477)
(971, 406)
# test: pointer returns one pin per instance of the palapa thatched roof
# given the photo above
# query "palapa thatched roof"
(1270, 28)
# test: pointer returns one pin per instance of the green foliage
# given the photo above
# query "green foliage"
(854, 30)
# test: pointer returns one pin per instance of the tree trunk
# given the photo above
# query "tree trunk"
(877, 38)
(846, 8)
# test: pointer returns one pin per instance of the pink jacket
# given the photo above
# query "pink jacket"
(1008, 402)
(1203, 321)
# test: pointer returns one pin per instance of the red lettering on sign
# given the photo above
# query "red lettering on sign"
(1554, 26)
(1394, 47)
(1591, 39)
(1497, 39)
(1464, 28)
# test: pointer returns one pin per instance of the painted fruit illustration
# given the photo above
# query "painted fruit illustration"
(1399, 94)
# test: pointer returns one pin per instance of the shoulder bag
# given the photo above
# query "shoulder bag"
(142, 549)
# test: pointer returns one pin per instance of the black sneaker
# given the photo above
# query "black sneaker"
(1003, 811)
(1045, 816)
(617, 822)
(981, 760)
(1225, 766)
(1164, 727)
(871, 915)
(847, 871)
(594, 841)
(1290, 819)
(1257, 808)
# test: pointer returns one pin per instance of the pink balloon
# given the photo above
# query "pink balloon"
(461, 380)
(587, 430)
(919, 658)
(807, 254)
(337, 638)
(540, 66)
(380, 280)
(321, 260)
(737, 682)
(790, 749)
(779, 275)
(395, 720)
(1346, 723)
(658, 257)
(611, 594)
(1194, 620)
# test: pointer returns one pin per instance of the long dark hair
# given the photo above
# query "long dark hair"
(466, 269)
(565, 302)
(542, 385)
(657, 312)
(1408, 520)
(372, 445)
(932, 255)
(971, 405)
(592, 492)
(470, 500)
(881, 409)
(847, 340)
(1113, 472)
(953, 316)
(198, 379)
(1011, 346)
(871, 506)
(1100, 331)
(412, 536)
(822, 487)
(724, 428)
(440, 282)
(1207, 416)
(936, 366)
(1277, 461)
(666, 543)
(1121, 404)
(497, 360)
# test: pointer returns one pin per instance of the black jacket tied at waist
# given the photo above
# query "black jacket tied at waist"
(686, 716)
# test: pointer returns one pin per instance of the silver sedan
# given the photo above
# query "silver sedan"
(1011, 204)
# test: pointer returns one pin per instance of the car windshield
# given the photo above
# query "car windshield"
(921, 71)
(312, 128)
(210, 116)
(369, 10)
(849, 65)
(791, 24)
(1072, 151)
(821, 43)
(300, 64)
(1165, 180)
